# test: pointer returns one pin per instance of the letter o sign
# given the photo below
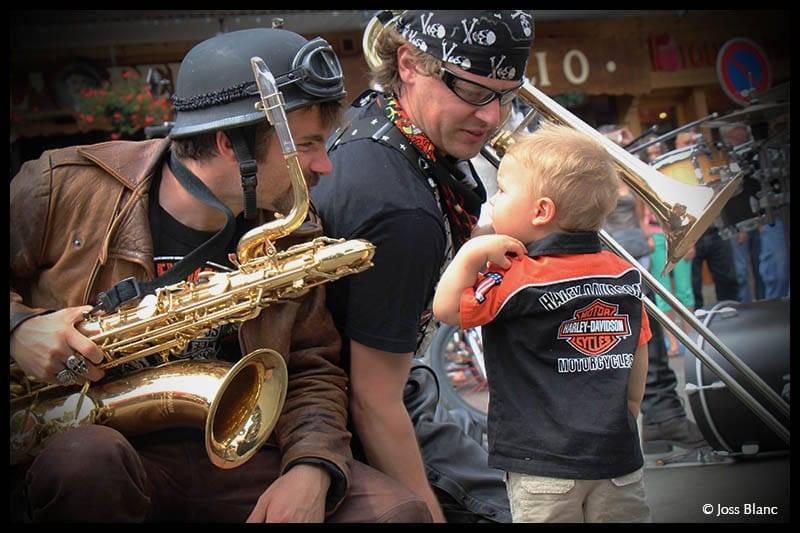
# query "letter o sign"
(583, 63)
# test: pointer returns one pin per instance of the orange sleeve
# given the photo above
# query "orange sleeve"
(481, 302)
(644, 333)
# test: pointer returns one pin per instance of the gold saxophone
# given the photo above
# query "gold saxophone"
(238, 404)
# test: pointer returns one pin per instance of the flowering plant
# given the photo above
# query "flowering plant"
(125, 105)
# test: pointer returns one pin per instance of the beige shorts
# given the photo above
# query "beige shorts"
(547, 499)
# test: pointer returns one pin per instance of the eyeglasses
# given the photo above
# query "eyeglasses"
(315, 69)
(475, 93)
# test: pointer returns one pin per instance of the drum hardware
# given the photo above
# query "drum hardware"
(752, 114)
(726, 232)
(673, 133)
(649, 131)
(698, 164)
(725, 312)
(695, 457)
(691, 388)
(779, 93)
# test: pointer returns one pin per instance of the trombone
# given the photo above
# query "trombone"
(684, 211)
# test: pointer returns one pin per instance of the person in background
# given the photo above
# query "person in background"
(746, 245)
(652, 152)
(712, 249)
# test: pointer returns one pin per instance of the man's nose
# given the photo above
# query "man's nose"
(490, 113)
(321, 164)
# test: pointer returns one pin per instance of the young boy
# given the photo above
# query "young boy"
(565, 334)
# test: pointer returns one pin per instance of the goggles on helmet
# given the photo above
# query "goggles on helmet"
(315, 69)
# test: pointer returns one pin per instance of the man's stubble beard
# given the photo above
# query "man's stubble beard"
(284, 203)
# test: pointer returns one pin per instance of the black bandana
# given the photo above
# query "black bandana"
(491, 43)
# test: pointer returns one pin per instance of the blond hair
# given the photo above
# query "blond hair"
(574, 171)
(387, 75)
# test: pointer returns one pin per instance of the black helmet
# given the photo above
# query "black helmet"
(216, 89)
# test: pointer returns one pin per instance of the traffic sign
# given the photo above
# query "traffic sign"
(743, 70)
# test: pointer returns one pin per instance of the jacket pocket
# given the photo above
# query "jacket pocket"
(546, 485)
(628, 479)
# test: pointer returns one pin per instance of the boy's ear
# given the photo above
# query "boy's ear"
(544, 211)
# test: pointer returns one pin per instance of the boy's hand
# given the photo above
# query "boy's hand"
(494, 248)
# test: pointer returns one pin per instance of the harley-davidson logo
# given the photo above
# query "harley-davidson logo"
(596, 328)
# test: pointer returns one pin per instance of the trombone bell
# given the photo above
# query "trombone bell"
(684, 211)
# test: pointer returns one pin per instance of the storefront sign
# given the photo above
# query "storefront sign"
(608, 67)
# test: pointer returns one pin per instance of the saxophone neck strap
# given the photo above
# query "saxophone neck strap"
(129, 289)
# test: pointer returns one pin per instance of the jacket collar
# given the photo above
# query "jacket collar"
(578, 242)
(130, 163)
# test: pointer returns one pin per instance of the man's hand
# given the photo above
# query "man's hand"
(297, 496)
(42, 344)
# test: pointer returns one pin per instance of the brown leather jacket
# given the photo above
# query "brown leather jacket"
(79, 224)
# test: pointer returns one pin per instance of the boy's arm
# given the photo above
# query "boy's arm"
(462, 272)
(637, 379)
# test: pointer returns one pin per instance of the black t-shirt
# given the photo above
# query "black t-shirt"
(171, 242)
(375, 193)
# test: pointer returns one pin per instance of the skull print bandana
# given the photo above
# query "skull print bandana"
(491, 43)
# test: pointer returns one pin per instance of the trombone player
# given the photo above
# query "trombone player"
(402, 180)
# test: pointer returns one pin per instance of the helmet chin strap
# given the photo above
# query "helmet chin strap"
(243, 142)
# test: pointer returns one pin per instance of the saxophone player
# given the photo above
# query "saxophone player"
(83, 219)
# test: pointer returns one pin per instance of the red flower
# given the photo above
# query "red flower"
(88, 118)
(115, 136)
(117, 115)
(149, 120)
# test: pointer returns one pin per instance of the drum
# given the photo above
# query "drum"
(758, 334)
(742, 212)
(696, 164)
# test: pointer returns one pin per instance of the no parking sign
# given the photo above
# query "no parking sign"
(743, 70)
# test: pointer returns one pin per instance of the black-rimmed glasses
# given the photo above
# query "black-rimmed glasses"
(475, 93)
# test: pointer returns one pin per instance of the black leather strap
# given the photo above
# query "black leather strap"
(130, 289)
(242, 140)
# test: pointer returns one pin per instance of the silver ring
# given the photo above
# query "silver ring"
(65, 377)
(77, 364)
